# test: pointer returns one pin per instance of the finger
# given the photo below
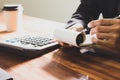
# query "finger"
(103, 36)
(93, 31)
(102, 29)
(102, 22)
(105, 43)
(79, 29)
(99, 41)
(63, 44)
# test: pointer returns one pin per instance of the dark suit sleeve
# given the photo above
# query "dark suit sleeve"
(88, 10)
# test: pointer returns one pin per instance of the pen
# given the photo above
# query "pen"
(118, 17)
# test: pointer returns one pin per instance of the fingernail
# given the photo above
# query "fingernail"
(89, 25)
(94, 36)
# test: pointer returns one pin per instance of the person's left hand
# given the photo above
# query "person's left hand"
(107, 32)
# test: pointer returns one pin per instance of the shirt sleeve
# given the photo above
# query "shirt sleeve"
(74, 22)
(86, 12)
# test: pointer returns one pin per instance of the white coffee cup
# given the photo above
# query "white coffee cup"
(13, 14)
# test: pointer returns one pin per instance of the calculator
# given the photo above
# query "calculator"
(4, 75)
(28, 45)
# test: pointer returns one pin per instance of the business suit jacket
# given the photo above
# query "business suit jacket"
(90, 10)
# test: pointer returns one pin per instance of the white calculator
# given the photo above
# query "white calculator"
(28, 45)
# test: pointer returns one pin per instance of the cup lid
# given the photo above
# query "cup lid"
(10, 7)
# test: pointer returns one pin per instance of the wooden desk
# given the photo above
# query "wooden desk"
(60, 64)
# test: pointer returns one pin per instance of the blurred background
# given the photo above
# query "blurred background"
(55, 10)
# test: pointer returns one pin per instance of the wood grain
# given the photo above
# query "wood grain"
(99, 66)
(62, 64)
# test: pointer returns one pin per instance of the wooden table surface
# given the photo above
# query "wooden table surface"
(63, 64)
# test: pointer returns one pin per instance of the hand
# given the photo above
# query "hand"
(76, 28)
(107, 32)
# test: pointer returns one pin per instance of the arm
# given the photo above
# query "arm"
(86, 12)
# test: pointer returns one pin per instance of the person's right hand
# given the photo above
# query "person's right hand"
(76, 28)
(107, 32)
